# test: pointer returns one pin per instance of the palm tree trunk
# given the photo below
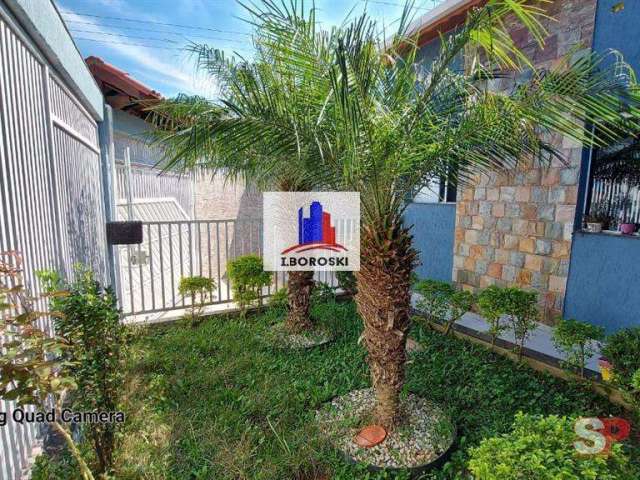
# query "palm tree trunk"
(300, 286)
(384, 303)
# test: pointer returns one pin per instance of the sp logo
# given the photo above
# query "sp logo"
(598, 434)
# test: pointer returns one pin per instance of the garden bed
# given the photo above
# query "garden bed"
(217, 402)
(424, 438)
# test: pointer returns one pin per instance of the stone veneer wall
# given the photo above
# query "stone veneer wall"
(516, 229)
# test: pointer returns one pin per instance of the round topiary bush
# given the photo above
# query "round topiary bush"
(542, 448)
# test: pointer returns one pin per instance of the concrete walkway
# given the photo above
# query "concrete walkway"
(539, 341)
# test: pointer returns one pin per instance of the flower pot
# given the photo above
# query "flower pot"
(627, 228)
(594, 227)
(606, 369)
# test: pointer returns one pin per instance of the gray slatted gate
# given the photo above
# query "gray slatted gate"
(51, 204)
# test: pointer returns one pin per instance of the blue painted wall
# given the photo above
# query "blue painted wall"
(604, 280)
(433, 236)
(603, 286)
(618, 30)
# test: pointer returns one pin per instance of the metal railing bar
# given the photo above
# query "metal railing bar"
(218, 260)
(209, 255)
(164, 304)
(190, 250)
(226, 251)
(130, 278)
(151, 258)
(173, 287)
(181, 258)
(142, 289)
(199, 249)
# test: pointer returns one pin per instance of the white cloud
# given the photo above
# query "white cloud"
(171, 67)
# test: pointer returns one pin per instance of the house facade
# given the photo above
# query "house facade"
(525, 228)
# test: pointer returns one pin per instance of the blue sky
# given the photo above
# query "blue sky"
(151, 47)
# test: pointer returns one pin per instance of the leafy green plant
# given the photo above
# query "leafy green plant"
(521, 307)
(34, 366)
(578, 340)
(248, 278)
(460, 302)
(542, 448)
(435, 298)
(198, 289)
(492, 303)
(442, 302)
(635, 381)
(88, 318)
(622, 349)
(58, 465)
(280, 299)
(347, 282)
(322, 293)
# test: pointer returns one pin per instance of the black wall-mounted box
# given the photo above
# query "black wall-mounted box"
(124, 233)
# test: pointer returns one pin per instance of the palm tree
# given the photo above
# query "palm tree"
(386, 129)
(359, 115)
(258, 129)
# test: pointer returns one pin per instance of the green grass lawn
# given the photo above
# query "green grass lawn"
(217, 402)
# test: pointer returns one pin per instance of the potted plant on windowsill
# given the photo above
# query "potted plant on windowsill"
(598, 219)
(595, 224)
(627, 228)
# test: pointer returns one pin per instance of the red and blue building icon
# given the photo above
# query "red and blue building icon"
(315, 232)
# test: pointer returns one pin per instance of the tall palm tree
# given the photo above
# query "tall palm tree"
(358, 114)
(385, 129)
(257, 131)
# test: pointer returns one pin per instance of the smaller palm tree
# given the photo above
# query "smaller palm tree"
(260, 130)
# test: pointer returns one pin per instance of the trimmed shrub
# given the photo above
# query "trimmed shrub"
(492, 303)
(198, 289)
(578, 340)
(622, 349)
(435, 298)
(522, 309)
(542, 448)
(460, 302)
(248, 278)
(442, 302)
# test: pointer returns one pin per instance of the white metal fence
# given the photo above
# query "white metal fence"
(51, 203)
(150, 272)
